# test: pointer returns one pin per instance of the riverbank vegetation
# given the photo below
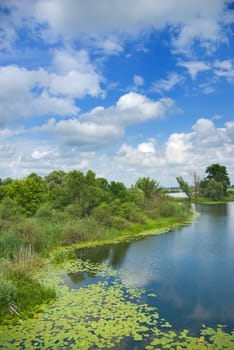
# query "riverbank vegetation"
(39, 214)
(213, 188)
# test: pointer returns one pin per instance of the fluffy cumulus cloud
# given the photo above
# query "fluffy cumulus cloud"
(104, 126)
(55, 19)
(181, 154)
(204, 145)
(26, 93)
(22, 95)
(65, 100)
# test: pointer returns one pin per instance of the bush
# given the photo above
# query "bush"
(120, 223)
(153, 213)
(45, 212)
(73, 211)
(9, 209)
(82, 230)
(168, 209)
(102, 214)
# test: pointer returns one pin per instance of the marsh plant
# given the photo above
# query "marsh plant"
(39, 214)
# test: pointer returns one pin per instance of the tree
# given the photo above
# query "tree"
(197, 184)
(150, 187)
(218, 173)
(28, 193)
(184, 187)
(213, 190)
(118, 190)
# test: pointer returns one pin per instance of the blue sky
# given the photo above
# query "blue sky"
(126, 88)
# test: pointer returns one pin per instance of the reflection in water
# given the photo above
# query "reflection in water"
(191, 270)
(111, 254)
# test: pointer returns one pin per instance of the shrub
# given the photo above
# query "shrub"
(102, 214)
(45, 212)
(9, 209)
(153, 213)
(168, 208)
(73, 211)
(82, 230)
(120, 223)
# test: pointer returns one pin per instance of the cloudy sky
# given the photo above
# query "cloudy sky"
(127, 88)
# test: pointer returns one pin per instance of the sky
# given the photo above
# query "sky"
(126, 88)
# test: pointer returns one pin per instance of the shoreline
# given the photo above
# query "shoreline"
(128, 236)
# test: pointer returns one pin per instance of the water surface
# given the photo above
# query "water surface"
(191, 270)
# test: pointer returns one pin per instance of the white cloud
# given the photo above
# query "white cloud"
(19, 96)
(195, 67)
(225, 69)
(204, 145)
(147, 147)
(56, 19)
(86, 135)
(131, 108)
(110, 45)
(75, 84)
(206, 30)
(105, 126)
(220, 69)
(177, 148)
(165, 85)
(26, 93)
(181, 154)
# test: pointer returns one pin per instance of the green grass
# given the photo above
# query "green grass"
(26, 243)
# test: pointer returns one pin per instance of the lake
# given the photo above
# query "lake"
(191, 270)
(154, 292)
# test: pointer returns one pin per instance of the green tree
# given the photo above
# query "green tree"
(150, 187)
(197, 185)
(57, 191)
(55, 179)
(218, 173)
(118, 190)
(28, 193)
(184, 187)
(213, 190)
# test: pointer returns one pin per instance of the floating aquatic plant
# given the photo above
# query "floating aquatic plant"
(101, 316)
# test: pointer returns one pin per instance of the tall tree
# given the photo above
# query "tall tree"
(218, 173)
(184, 187)
(197, 183)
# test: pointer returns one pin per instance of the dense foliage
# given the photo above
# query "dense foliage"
(213, 187)
(38, 214)
(215, 184)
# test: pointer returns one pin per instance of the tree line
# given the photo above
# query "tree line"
(213, 186)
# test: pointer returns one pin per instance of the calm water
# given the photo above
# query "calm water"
(191, 269)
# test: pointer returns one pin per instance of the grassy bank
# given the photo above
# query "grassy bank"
(25, 244)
